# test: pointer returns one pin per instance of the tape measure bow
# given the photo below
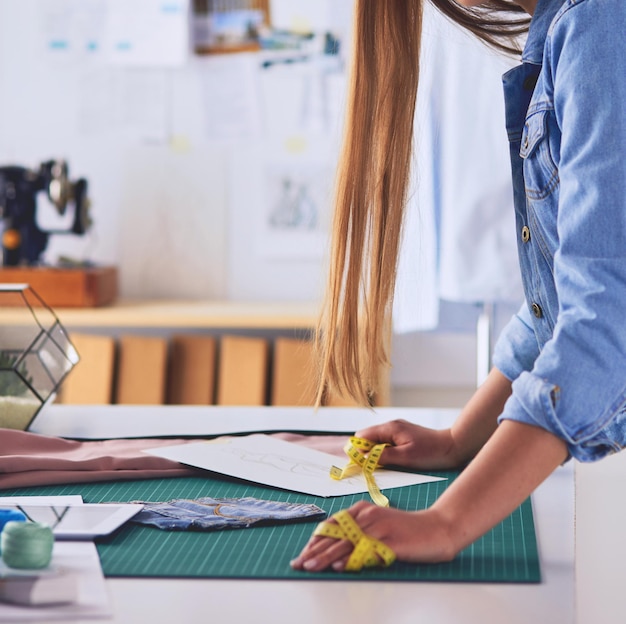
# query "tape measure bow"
(364, 455)
(368, 551)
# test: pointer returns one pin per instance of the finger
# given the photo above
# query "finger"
(340, 564)
(376, 433)
(322, 555)
(382, 433)
(329, 553)
(310, 546)
(313, 547)
(313, 541)
(321, 552)
(393, 456)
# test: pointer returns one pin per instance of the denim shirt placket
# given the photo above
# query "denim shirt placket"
(519, 84)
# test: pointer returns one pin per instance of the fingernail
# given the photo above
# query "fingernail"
(337, 566)
(310, 564)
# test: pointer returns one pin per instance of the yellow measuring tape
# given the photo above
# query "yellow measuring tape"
(368, 551)
(364, 455)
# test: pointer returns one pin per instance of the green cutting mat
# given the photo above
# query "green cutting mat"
(508, 553)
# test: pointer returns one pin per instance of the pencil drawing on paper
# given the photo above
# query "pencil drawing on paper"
(298, 197)
(283, 463)
(294, 207)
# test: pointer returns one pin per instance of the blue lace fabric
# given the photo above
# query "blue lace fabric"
(210, 514)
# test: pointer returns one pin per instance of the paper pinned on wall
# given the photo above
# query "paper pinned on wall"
(297, 208)
(231, 97)
(71, 30)
(303, 15)
(269, 461)
(135, 104)
(142, 33)
(147, 33)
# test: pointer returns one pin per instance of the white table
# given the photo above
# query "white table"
(601, 541)
(596, 556)
(313, 602)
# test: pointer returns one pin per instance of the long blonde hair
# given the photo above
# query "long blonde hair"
(373, 178)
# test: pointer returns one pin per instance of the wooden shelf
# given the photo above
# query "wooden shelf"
(227, 49)
(189, 314)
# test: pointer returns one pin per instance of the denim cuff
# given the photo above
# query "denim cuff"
(516, 349)
(534, 402)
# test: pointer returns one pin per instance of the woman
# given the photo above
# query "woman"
(558, 386)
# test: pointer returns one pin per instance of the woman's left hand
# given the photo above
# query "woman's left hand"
(514, 461)
(418, 536)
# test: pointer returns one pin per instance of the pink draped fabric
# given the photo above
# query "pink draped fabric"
(30, 459)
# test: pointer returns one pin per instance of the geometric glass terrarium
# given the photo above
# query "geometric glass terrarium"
(36, 355)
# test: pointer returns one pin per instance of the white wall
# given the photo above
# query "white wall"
(159, 213)
(180, 197)
(175, 192)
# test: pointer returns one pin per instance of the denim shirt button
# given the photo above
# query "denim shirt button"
(525, 234)
(537, 311)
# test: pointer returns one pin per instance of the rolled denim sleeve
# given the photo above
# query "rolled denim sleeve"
(577, 386)
(516, 348)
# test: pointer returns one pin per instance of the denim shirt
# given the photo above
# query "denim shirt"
(565, 350)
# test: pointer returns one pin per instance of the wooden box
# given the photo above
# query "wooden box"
(191, 378)
(91, 381)
(78, 287)
(242, 371)
(142, 370)
(293, 372)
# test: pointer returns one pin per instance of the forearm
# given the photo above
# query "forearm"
(422, 448)
(515, 460)
(478, 419)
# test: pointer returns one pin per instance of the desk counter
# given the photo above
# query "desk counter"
(581, 563)
(313, 602)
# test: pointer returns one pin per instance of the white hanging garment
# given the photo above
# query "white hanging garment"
(461, 245)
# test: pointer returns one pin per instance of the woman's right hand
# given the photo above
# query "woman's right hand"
(412, 446)
(420, 448)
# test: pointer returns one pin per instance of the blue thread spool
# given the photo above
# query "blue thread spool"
(27, 545)
(10, 515)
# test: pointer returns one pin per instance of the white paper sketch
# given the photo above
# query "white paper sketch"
(270, 461)
(296, 200)
(294, 205)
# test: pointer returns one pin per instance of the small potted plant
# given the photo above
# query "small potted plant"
(36, 355)
(18, 403)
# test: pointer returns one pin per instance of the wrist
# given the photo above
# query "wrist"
(453, 453)
(441, 535)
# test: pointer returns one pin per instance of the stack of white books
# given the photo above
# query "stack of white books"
(36, 588)
(72, 587)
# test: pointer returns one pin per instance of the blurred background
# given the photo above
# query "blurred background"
(208, 133)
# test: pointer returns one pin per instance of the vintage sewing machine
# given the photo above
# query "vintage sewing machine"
(23, 241)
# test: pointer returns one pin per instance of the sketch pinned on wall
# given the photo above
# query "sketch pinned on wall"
(295, 223)
(294, 207)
